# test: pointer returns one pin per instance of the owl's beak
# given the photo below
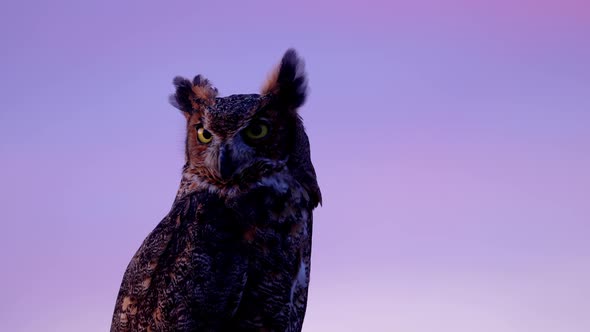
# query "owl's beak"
(227, 165)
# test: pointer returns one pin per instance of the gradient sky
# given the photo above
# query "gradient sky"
(451, 141)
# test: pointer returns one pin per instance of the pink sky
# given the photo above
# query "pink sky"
(450, 139)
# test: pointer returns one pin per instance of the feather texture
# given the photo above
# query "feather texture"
(234, 252)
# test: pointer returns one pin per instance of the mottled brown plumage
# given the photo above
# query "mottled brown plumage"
(233, 253)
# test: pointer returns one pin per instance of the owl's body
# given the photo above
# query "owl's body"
(233, 254)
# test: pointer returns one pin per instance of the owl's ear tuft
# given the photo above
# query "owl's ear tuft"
(181, 98)
(192, 96)
(288, 82)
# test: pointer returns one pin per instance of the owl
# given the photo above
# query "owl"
(233, 253)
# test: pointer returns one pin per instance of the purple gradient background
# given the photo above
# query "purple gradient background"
(451, 142)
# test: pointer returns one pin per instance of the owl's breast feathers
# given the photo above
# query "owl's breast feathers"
(223, 263)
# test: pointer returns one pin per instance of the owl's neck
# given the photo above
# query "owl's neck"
(191, 182)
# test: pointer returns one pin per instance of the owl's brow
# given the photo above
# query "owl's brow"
(256, 112)
(263, 106)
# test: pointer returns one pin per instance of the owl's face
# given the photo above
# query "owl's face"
(241, 138)
(238, 138)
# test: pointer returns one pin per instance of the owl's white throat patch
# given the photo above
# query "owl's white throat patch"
(278, 181)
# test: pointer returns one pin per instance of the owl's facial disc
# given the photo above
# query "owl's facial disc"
(238, 152)
(240, 158)
(238, 140)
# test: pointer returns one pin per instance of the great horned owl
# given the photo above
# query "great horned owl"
(233, 253)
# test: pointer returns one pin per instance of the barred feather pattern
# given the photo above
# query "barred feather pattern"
(217, 263)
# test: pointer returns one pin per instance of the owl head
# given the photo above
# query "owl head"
(239, 139)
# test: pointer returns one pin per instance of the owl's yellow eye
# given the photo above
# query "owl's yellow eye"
(257, 131)
(204, 136)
